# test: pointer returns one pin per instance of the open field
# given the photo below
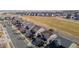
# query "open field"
(71, 28)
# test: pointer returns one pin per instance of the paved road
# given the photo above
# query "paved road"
(15, 37)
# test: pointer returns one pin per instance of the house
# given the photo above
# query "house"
(54, 44)
(42, 29)
(24, 26)
(45, 36)
(28, 29)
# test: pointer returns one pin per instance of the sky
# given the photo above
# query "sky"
(38, 4)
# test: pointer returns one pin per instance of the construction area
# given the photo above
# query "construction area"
(22, 31)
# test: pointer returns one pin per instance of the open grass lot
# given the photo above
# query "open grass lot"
(55, 22)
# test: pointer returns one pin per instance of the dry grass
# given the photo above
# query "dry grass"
(70, 27)
(1, 30)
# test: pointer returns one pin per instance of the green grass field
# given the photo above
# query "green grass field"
(70, 27)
